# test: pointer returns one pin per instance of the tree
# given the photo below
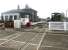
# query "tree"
(57, 17)
(48, 19)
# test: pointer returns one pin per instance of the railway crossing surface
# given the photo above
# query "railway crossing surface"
(32, 40)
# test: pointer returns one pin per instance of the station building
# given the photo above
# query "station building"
(17, 14)
(20, 13)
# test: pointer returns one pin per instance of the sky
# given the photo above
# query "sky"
(44, 7)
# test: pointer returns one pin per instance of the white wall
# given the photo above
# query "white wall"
(24, 21)
(17, 23)
(11, 14)
(58, 25)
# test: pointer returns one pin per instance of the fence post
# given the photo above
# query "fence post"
(64, 26)
(49, 25)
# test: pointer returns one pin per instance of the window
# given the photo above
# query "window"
(26, 16)
(10, 18)
(15, 17)
(6, 18)
(2, 18)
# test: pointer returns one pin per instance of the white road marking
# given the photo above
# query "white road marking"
(33, 44)
(24, 42)
(18, 41)
(56, 34)
(11, 35)
(34, 37)
(25, 46)
(29, 43)
(55, 47)
(41, 40)
(46, 46)
(65, 35)
(3, 39)
(10, 39)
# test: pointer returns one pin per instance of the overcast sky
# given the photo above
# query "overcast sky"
(44, 7)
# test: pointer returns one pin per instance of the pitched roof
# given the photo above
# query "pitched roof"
(20, 10)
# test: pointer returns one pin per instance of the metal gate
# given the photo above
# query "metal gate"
(9, 24)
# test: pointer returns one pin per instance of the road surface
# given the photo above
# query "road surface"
(31, 40)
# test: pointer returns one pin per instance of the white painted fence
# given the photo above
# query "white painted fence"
(58, 25)
(17, 23)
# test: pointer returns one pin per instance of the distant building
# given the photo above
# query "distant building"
(20, 13)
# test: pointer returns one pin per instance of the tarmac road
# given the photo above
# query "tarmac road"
(21, 41)
(34, 41)
(54, 41)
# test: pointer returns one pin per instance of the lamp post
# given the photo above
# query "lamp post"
(66, 12)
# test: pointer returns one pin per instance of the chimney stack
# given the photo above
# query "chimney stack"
(18, 7)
